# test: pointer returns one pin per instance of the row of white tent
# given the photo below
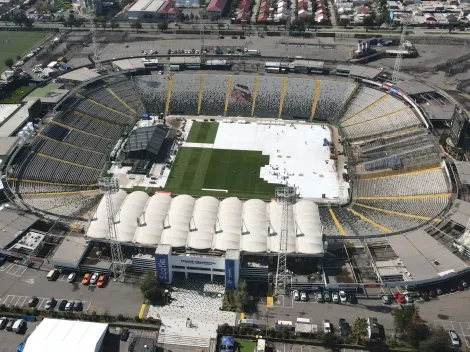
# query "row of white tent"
(209, 224)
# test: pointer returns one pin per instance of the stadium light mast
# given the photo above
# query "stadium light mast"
(286, 37)
(91, 16)
(286, 196)
(399, 60)
(109, 186)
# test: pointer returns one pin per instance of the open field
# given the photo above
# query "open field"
(13, 43)
(203, 132)
(223, 172)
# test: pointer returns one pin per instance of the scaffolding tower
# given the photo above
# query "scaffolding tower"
(109, 186)
(285, 196)
(399, 60)
(90, 14)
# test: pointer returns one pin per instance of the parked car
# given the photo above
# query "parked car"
(94, 278)
(9, 326)
(335, 297)
(400, 298)
(71, 277)
(352, 298)
(327, 296)
(408, 298)
(432, 293)
(343, 327)
(2, 259)
(33, 301)
(69, 306)
(459, 288)
(343, 297)
(295, 295)
(50, 304)
(101, 281)
(454, 338)
(3, 322)
(124, 334)
(327, 327)
(386, 299)
(86, 279)
(319, 297)
(439, 291)
(303, 296)
(62, 304)
(424, 296)
(77, 306)
(463, 283)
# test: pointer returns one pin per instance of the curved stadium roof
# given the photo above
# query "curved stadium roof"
(209, 224)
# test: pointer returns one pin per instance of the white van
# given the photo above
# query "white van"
(247, 322)
(18, 325)
(53, 275)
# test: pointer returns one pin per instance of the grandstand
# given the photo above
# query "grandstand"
(398, 181)
(57, 171)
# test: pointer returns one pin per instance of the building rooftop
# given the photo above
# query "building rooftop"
(460, 212)
(57, 335)
(13, 223)
(439, 112)
(50, 93)
(413, 87)
(81, 75)
(129, 64)
(147, 138)
(463, 170)
(147, 5)
(70, 251)
(216, 5)
(7, 144)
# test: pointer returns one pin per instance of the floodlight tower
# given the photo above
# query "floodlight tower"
(91, 16)
(399, 60)
(286, 196)
(108, 186)
(287, 37)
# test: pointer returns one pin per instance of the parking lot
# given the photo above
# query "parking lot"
(22, 302)
(13, 269)
(10, 340)
(461, 328)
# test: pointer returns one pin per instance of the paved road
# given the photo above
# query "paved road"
(441, 311)
(116, 298)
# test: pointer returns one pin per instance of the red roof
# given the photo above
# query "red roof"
(216, 5)
(166, 7)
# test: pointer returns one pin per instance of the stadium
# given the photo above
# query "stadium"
(199, 156)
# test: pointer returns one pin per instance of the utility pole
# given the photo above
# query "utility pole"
(285, 196)
(109, 186)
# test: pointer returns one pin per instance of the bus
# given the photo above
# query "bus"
(261, 345)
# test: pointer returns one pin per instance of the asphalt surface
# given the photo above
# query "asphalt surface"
(445, 311)
(19, 283)
(9, 340)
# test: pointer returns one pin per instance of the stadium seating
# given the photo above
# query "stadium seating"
(363, 98)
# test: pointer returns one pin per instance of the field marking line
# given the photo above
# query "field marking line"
(24, 270)
(4, 268)
(24, 300)
(16, 271)
(8, 299)
(19, 297)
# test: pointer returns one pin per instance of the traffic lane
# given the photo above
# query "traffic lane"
(115, 297)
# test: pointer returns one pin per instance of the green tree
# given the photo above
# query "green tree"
(298, 25)
(18, 57)
(150, 287)
(113, 24)
(162, 26)
(409, 324)
(136, 25)
(367, 21)
(359, 329)
(437, 341)
(241, 296)
(344, 22)
(9, 62)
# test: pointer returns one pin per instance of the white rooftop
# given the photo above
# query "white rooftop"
(7, 109)
(57, 335)
(147, 5)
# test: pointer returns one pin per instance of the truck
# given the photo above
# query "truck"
(246, 322)
(18, 325)
(252, 52)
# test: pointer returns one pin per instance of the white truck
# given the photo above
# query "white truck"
(252, 52)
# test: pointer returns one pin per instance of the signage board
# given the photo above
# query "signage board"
(162, 268)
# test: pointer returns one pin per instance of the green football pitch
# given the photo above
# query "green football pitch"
(13, 43)
(203, 132)
(205, 171)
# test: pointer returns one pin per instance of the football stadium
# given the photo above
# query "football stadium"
(198, 158)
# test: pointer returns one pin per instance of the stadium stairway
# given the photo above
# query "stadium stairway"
(131, 110)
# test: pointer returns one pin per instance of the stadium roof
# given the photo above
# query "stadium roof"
(146, 138)
(16, 120)
(6, 110)
(50, 93)
(57, 335)
(129, 64)
(7, 144)
(423, 256)
(81, 75)
(463, 170)
(209, 224)
(460, 212)
(439, 112)
(414, 87)
(364, 71)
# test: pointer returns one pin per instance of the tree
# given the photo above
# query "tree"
(344, 22)
(113, 24)
(18, 57)
(298, 25)
(437, 341)
(162, 26)
(9, 62)
(150, 287)
(409, 324)
(136, 25)
(368, 21)
(359, 329)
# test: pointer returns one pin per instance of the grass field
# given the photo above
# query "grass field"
(237, 171)
(16, 95)
(203, 132)
(13, 43)
(245, 345)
